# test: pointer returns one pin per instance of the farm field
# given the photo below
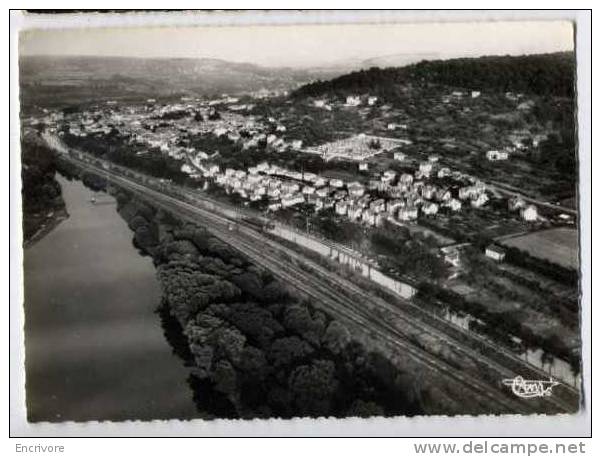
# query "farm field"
(558, 245)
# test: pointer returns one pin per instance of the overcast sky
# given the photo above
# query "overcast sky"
(305, 45)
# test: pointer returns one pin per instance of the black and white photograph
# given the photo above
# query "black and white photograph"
(309, 220)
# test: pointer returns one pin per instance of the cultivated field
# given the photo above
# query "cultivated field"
(558, 245)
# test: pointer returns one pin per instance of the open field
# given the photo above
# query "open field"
(558, 245)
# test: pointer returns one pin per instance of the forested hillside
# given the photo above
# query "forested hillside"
(543, 74)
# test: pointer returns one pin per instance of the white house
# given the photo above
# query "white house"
(341, 208)
(480, 200)
(495, 253)
(274, 206)
(378, 206)
(409, 213)
(292, 200)
(356, 189)
(354, 212)
(425, 168)
(363, 166)
(213, 170)
(392, 206)
(400, 156)
(323, 192)
(430, 209)
(406, 178)
(529, 213)
(476, 93)
(443, 172)
(297, 144)
(453, 204)
(493, 156)
(290, 187)
(262, 167)
(353, 100)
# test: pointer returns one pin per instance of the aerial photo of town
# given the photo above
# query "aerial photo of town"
(210, 238)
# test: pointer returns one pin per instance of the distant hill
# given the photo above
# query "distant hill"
(541, 74)
(62, 80)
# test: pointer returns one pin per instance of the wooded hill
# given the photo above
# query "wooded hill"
(541, 74)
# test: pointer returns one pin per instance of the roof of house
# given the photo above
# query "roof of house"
(496, 249)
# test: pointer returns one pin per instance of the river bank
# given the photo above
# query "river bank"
(257, 349)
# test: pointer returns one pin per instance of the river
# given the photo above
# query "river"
(95, 348)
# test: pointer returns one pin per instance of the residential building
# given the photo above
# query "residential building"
(368, 217)
(479, 200)
(341, 207)
(353, 100)
(308, 190)
(291, 200)
(323, 192)
(406, 178)
(444, 172)
(337, 183)
(378, 206)
(354, 212)
(426, 168)
(429, 208)
(495, 253)
(453, 204)
(409, 213)
(355, 189)
(494, 156)
(274, 206)
(392, 206)
(529, 213)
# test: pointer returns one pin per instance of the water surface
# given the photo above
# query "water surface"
(95, 348)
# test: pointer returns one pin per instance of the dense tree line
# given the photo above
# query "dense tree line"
(41, 193)
(258, 350)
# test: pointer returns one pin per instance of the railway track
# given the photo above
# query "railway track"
(347, 302)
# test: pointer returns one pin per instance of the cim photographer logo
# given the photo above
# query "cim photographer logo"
(526, 388)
